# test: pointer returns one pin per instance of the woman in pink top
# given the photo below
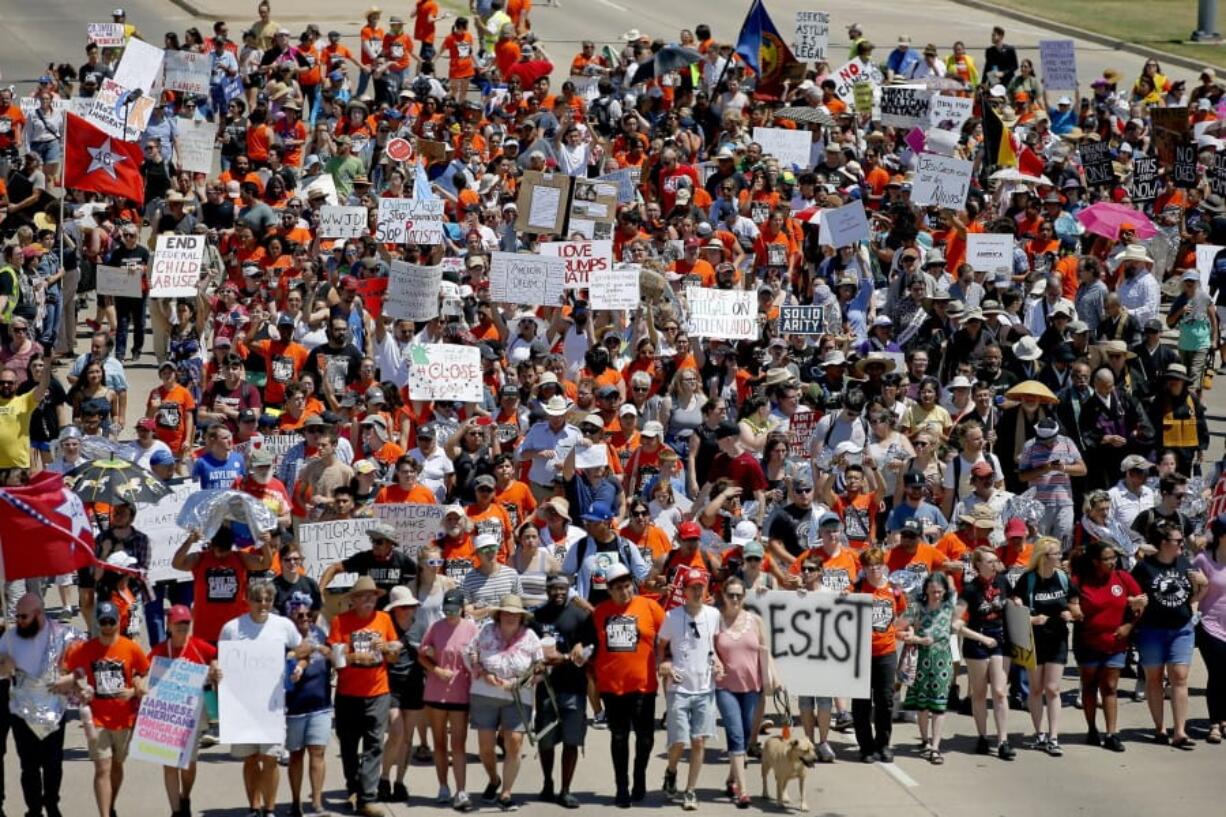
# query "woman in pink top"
(744, 651)
(1211, 631)
(442, 652)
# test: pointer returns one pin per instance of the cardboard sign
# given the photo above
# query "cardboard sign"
(822, 641)
(251, 695)
(591, 202)
(812, 35)
(1183, 170)
(800, 433)
(520, 278)
(157, 521)
(1059, 62)
(854, 71)
(542, 202)
(941, 180)
(120, 282)
(186, 71)
(941, 141)
(1169, 128)
(1206, 254)
(417, 525)
(196, 142)
(990, 252)
(120, 115)
(1021, 635)
(583, 259)
(731, 314)
(802, 320)
(844, 225)
(323, 543)
(1145, 184)
(1096, 159)
(412, 292)
(790, 147)
(905, 106)
(949, 112)
(445, 371)
(862, 97)
(105, 35)
(342, 222)
(410, 221)
(616, 289)
(177, 262)
(169, 716)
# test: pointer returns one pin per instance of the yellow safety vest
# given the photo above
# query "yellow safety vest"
(1180, 433)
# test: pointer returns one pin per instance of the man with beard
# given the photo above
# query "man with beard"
(335, 364)
(992, 372)
(29, 653)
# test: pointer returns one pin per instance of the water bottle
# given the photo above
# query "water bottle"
(87, 723)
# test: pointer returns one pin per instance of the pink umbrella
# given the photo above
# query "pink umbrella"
(1105, 219)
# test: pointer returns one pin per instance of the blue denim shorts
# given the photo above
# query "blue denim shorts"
(1087, 657)
(1159, 646)
(313, 729)
(690, 716)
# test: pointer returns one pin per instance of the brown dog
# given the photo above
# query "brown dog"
(787, 759)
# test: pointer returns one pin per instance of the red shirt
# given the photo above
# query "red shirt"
(1105, 605)
(743, 469)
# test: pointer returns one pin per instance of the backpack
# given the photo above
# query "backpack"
(601, 110)
(421, 88)
(1061, 576)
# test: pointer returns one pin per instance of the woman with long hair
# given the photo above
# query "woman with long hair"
(407, 680)
(90, 386)
(683, 407)
(982, 603)
(533, 563)
(1211, 631)
(744, 651)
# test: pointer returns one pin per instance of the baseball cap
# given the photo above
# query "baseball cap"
(262, 458)
(615, 572)
(162, 457)
(689, 530)
(484, 481)
(912, 527)
(179, 613)
(913, 478)
(364, 467)
(1015, 527)
(983, 468)
(727, 429)
(598, 512)
(146, 424)
(106, 611)
(487, 541)
(829, 519)
(694, 577)
(453, 601)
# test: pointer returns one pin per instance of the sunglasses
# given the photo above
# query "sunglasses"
(108, 622)
(734, 596)
(434, 562)
(810, 569)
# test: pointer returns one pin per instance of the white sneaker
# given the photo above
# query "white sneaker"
(825, 753)
(444, 794)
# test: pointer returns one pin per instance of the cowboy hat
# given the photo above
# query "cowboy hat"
(365, 584)
(512, 603)
(1027, 349)
(1117, 347)
(1136, 252)
(779, 376)
(874, 359)
(556, 407)
(1032, 388)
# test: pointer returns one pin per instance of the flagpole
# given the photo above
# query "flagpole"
(63, 195)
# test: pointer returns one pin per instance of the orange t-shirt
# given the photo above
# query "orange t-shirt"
(517, 500)
(839, 572)
(516, 9)
(459, 556)
(460, 51)
(358, 634)
(954, 548)
(392, 494)
(423, 23)
(506, 54)
(925, 560)
(170, 415)
(889, 603)
(859, 518)
(372, 42)
(626, 645)
(493, 520)
(283, 362)
(109, 670)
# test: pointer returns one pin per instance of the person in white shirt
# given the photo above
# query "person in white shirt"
(437, 471)
(1139, 291)
(141, 450)
(547, 444)
(1132, 495)
(959, 475)
(689, 670)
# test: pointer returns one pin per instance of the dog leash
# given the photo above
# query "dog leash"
(783, 708)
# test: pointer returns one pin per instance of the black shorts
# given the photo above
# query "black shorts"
(443, 707)
(407, 690)
(571, 728)
(1050, 649)
(975, 651)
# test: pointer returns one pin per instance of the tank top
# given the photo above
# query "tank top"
(685, 417)
(430, 611)
(219, 593)
(532, 578)
(739, 652)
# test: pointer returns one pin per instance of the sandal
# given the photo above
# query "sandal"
(1215, 734)
(935, 757)
(1185, 743)
(1162, 738)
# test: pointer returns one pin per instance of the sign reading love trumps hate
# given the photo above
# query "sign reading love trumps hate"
(730, 314)
(177, 262)
(583, 259)
(169, 716)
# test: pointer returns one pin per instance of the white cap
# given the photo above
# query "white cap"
(652, 428)
(628, 408)
(744, 533)
(960, 382)
(486, 540)
(1064, 100)
(997, 90)
(847, 447)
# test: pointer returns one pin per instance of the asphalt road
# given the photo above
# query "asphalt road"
(1086, 781)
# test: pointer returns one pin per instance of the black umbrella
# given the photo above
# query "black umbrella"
(668, 58)
(112, 480)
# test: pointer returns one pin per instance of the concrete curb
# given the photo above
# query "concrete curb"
(193, 10)
(1080, 33)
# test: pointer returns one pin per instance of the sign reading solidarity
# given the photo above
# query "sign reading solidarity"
(445, 371)
(520, 278)
(812, 35)
(177, 262)
(410, 221)
(583, 258)
(821, 641)
(412, 292)
(905, 106)
(941, 180)
(416, 524)
(251, 695)
(169, 715)
(802, 320)
(730, 314)
(342, 222)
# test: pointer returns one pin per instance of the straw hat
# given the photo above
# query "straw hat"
(556, 407)
(1136, 252)
(365, 584)
(1177, 371)
(779, 376)
(874, 359)
(1032, 388)
(1115, 347)
(512, 603)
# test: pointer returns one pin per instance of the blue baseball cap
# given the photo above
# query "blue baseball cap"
(598, 512)
(162, 457)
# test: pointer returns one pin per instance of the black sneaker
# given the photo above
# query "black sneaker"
(1113, 743)
(983, 746)
(869, 757)
(400, 794)
(639, 792)
(490, 795)
(886, 755)
(568, 800)
(1093, 738)
(547, 794)
(1005, 752)
(385, 791)
(622, 799)
(670, 784)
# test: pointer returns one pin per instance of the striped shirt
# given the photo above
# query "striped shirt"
(1053, 486)
(481, 590)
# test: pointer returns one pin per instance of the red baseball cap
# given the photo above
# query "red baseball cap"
(696, 577)
(146, 423)
(178, 614)
(689, 530)
(1015, 527)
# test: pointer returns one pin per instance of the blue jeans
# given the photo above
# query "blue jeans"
(155, 608)
(52, 313)
(737, 709)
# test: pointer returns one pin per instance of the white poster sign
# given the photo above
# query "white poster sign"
(1058, 59)
(122, 282)
(323, 543)
(854, 71)
(616, 289)
(105, 35)
(157, 521)
(416, 524)
(989, 252)
(412, 291)
(445, 371)
(196, 142)
(140, 66)
(905, 106)
(410, 221)
(119, 113)
(941, 180)
(583, 259)
(177, 262)
(790, 147)
(186, 71)
(519, 278)
(949, 112)
(844, 225)
(812, 35)
(731, 314)
(251, 695)
(822, 641)
(342, 222)
(1205, 254)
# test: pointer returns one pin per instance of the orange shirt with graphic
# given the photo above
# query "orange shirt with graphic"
(506, 54)
(889, 603)
(517, 500)
(109, 669)
(394, 494)
(493, 520)
(372, 43)
(175, 404)
(459, 50)
(283, 362)
(839, 572)
(926, 557)
(357, 633)
(625, 659)
(862, 513)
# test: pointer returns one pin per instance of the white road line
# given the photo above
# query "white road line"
(901, 777)
(613, 5)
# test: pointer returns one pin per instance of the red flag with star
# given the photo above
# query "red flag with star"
(43, 529)
(94, 160)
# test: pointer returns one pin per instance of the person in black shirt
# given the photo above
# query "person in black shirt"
(791, 529)
(1000, 58)
(338, 361)
(289, 584)
(130, 311)
(571, 629)
(157, 173)
(386, 565)
(407, 682)
(701, 447)
(93, 67)
(983, 601)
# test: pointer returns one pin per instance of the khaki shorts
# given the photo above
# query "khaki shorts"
(240, 751)
(111, 743)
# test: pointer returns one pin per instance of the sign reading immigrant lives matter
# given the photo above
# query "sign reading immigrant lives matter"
(445, 371)
(844, 225)
(169, 715)
(105, 35)
(120, 282)
(323, 543)
(251, 695)
(941, 180)
(1059, 62)
(949, 112)
(812, 35)
(1096, 159)
(342, 222)
(520, 278)
(821, 642)
(905, 106)
(416, 524)
(790, 147)
(412, 291)
(731, 314)
(802, 320)
(186, 71)
(177, 262)
(616, 289)
(989, 252)
(584, 259)
(196, 141)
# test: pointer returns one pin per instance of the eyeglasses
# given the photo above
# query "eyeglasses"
(434, 562)
(19, 329)
(811, 569)
(640, 513)
(734, 596)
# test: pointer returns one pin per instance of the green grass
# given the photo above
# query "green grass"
(1161, 24)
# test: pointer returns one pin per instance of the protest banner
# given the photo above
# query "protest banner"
(410, 221)
(412, 291)
(586, 87)
(105, 35)
(542, 202)
(278, 445)
(812, 35)
(157, 521)
(1096, 159)
(1217, 175)
(822, 641)
(800, 433)
(121, 282)
(624, 179)
(1206, 255)
(445, 371)
(177, 262)
(251, 695)
(323, 543)
(196, 141)
(186, 71)
(949, 112)
(989, 252)
(583, 258)
(416, 524)
(731, 314)
(1059, 62)
(790, 147)
(844, 225)
(616, 289)
(521, 278)
(169, 714)
(1145, 184)
(342, 222)
(802, 320)
(941, 180)
(1020, 635)
(1169, 127)
(140, 66)
(855, 71)
(905, 106)
(1183, 171)
(119, 113)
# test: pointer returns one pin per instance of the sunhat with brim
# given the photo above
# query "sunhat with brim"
(365, 584)
(874, 359)
(1136, 252)
(401, 596)
(1177, 371)
(556, 407)
(1116, 347)
(512, 603)
(1027, 349)
(1032, 388)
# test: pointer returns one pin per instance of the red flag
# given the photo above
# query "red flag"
(94, 160)
(43, 529)
(1029, 162)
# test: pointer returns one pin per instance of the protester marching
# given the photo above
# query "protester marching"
(713, 389)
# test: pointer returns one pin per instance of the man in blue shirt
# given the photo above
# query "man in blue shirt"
(220, 465)
(1063, 116)
(914, 505)
(902, 59)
